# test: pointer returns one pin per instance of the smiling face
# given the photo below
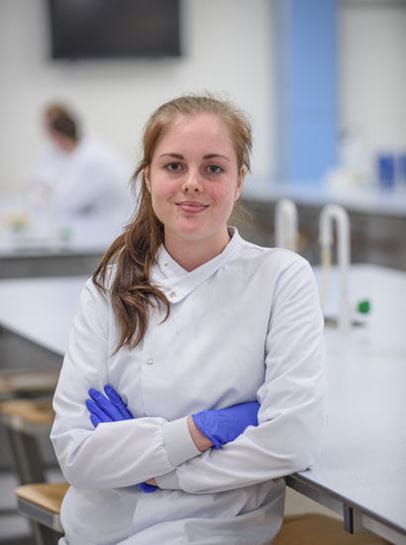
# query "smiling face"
(194, 182)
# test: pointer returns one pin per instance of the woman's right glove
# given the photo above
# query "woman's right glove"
(111, 409)
(106, 409)
(224, 425)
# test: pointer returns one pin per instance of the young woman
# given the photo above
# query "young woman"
(192, 329)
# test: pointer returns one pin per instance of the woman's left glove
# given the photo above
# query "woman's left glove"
(224, 425)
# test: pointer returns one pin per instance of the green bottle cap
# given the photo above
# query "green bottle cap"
(364, 306)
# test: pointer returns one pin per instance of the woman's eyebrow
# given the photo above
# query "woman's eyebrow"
(207, 156)
(176, 155)
(214, 155)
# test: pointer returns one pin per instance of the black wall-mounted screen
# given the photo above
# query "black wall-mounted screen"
(89, 29)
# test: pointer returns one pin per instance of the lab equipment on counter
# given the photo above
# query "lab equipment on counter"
(286, 224)
(386, 170)
(330, 214)
(401, 168)
(364, 306)
(360, 312)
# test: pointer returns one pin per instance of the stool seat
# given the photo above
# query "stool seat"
(317, 529)
(27, 422)
(42, 502)
(28, 415)
(17, 382)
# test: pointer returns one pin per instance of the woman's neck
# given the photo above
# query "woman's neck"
(191, 254)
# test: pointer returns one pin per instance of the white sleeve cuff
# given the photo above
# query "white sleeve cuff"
(170, 481)
(178, 442)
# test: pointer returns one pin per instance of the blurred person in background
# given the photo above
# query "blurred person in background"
(76, 174)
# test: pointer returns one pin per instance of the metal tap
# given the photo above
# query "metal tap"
(330, 214)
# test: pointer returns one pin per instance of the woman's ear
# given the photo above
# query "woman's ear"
(240, 182)
(146, 178)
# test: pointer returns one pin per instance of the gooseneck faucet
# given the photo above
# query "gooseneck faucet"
(286, 224)
(330, 214)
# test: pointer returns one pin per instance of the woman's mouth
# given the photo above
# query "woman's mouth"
(191, 207)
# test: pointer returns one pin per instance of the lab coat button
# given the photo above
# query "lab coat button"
(150, 361)
(166, 263)
(172, 293)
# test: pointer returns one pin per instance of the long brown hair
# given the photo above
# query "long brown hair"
(133, 252)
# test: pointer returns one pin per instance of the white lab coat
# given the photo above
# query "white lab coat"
(92, 179)
(246, 325)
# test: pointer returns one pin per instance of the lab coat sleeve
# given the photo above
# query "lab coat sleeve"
(115, 454)
(291, 415)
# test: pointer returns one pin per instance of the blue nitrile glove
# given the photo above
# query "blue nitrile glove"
(111, 409)
(224, 425)
(147, 488)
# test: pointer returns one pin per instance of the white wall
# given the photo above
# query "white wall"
(227, 47)
(373, 71)
(227, 50)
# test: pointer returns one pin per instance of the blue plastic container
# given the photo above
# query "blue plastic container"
(402, 167)
(386, 170)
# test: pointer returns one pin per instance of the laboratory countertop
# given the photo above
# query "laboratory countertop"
(368, 198)
(383, 333)
(40, 309)
(362, 461)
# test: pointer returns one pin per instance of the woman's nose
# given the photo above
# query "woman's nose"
(192, 182)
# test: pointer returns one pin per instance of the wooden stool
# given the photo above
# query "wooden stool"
(26, 421)
(41, 504)
(27, 382)
(315, 529)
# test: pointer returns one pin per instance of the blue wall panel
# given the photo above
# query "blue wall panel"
(306, 54)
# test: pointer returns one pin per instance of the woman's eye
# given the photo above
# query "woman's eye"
(214, 169)
(174, 167)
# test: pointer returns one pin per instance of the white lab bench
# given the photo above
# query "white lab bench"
(41, 261)
(361, 471)
(50, 244)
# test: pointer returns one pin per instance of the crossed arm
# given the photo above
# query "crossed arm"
(121, 454)
(207, 428)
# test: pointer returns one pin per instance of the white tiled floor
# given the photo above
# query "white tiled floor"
(13, 525)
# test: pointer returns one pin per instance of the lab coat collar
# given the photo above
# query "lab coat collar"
(176, 282)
